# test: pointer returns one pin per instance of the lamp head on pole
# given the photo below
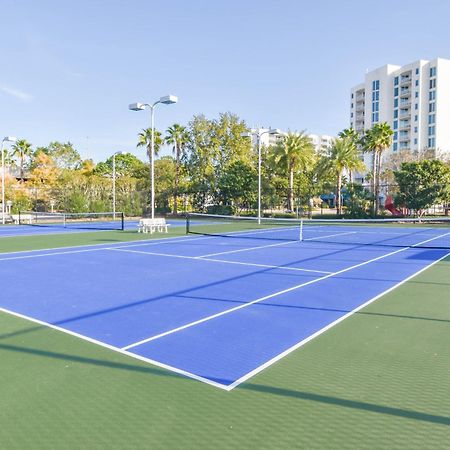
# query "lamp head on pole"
(136, 106)
(168, 99)
(9, 139)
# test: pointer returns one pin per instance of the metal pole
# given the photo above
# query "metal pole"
(3, 183)
(114, 186)
(259, 178)
(152, 160)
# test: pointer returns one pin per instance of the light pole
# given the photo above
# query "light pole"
(5, 139)
(258, 133)
(167, 100)
(114, 182)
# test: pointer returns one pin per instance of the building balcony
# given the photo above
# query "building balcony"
(405, 103)
(405, 80)
(404, 138)
(404, 125)
(405, 92)
(404, 114)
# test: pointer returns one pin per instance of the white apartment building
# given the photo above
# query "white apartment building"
(413, 99)
(320, 141)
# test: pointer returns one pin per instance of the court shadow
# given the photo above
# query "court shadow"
(352, 404)
(265, 389)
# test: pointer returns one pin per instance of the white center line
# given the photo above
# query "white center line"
(197, 258)
(284, 291)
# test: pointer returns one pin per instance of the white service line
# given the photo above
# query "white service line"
(197, 258)
(327, 327)
(258, 300)
(116, 349)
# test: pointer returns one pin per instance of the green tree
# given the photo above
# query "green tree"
(352, 135)
(22, 149)
(294, 153)
(343, 156)
(63, 155)
(177, 136)
(376, 140)
(237, 186)
(422, 184)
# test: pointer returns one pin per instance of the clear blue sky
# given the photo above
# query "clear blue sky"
(70, 68)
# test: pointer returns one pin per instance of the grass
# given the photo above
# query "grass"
(377, 380)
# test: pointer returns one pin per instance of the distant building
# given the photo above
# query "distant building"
(413, 99)
(320, 141)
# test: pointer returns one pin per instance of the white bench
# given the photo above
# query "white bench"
(24, 218)
(153, 225)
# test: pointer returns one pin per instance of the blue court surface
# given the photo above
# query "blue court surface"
(217, 309)
(80, 227)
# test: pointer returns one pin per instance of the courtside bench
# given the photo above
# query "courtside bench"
(153, 225)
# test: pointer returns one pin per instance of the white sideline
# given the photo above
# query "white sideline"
(258, 300)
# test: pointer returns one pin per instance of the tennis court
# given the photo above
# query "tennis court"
(221, 307)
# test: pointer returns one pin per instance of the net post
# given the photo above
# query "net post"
(301, 230)
(187, 223)
(20, 218)
(64, 220)
(122, 220)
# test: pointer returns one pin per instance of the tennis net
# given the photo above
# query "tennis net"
(81, 221)
(391, 232)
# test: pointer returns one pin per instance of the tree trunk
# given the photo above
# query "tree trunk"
(291, 190)
(338, 194)
(374, 182)
(177, 174)
(378, 181)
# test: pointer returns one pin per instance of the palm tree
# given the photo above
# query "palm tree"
(145, 140)
(343, 156)
(177, 136)
(295, 152)
(22, 149)
(354, 138)
(376, 140)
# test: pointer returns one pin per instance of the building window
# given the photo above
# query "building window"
(352, 95)
(351, 124)
(431, 119)
(433, 83)
(415, 129)
(416, 106)
(395, 81)
(395, 124)
(431, 131)
(416, 94)
(352, 105)
(417, 82)
(396, 92)
(416, 118)
(395, 113)
(394, 147)
(432, 72)
(396, 103)
(415, 141)
(395, 135)
(431, 142)
(432, 107)
(417, 71)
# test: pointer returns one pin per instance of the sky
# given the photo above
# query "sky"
(69, 68)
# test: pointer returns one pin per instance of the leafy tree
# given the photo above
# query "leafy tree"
(23, 150)
(177, 136)
(376, 140)
(343, 156)
(126, 164)
(237, 185)
(422, 184)
(64, 155)
(358, 201)
(294, 153)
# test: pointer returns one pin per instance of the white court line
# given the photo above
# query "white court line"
(330, 325)
(116, 349)
(197, 258)
(269, 245)
(258, 300)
